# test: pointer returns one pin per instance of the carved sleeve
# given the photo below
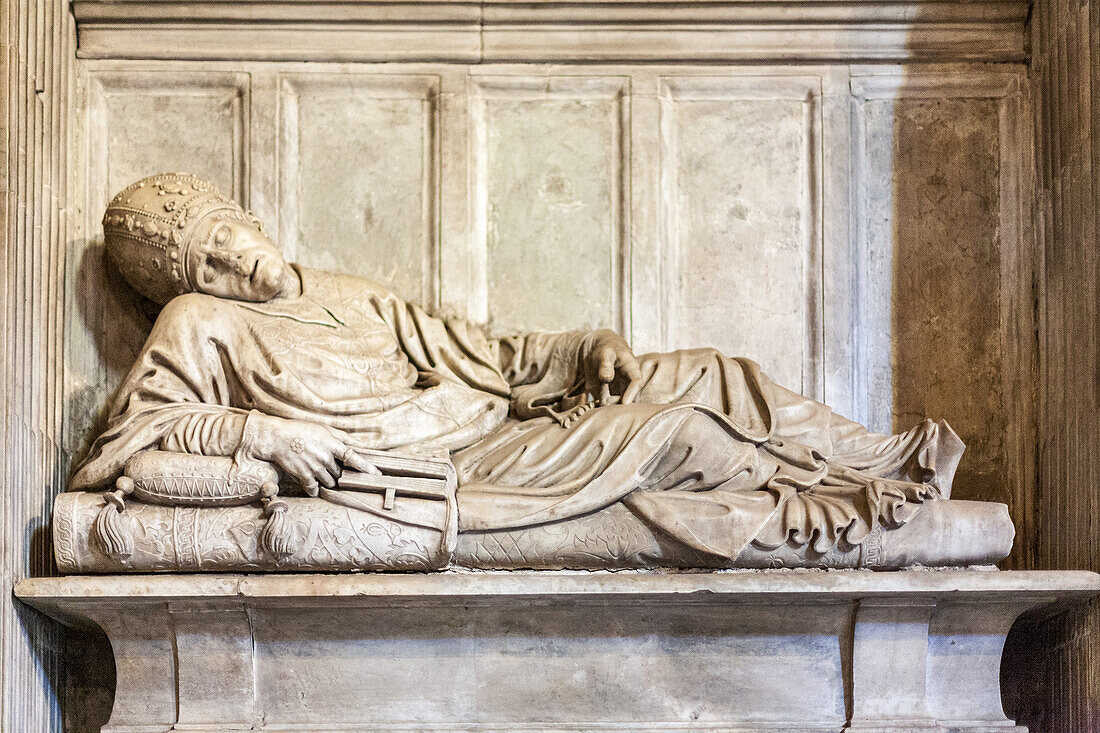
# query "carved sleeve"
(206, 434)
(543, 370)
(533, 357)
(177, 395)
(537, 371)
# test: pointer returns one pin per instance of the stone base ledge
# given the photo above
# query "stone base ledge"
(732, 651)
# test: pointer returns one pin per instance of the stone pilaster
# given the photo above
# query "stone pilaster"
(38, 41)
(1054, 684)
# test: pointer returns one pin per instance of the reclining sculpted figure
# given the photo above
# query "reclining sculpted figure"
(263, 379)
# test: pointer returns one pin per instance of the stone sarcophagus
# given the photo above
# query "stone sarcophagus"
(292, 422)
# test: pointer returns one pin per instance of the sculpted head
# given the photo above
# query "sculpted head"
(175, 233)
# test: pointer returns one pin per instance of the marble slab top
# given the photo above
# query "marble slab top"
(738, 585)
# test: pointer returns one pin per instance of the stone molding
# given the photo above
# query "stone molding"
(712, 31)
(741, 651)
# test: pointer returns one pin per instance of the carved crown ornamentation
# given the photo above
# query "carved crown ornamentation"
(150, 224)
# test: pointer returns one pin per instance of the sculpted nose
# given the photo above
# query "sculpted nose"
(239, 264)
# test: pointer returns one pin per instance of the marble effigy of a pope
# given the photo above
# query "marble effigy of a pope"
(568, 450)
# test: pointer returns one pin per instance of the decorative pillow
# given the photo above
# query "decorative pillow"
(183, 479)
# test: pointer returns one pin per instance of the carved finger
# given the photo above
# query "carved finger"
(307, 472)
(357, 462)
(631, 392)
(309, 486)
(331, 467)
(322, 476)
(630, 366)
(608, 357)
(292, 468)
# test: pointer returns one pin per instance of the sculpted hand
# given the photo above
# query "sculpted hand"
(609, 365)
(310, 454)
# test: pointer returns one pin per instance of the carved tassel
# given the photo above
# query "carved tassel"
(277, 537)
(111, 529)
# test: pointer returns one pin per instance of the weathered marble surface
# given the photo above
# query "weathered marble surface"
(524, 651)
(354, 154)
(552, 218)
(330, 537)
(755, 213)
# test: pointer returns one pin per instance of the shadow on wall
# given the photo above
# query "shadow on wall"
(948, 229)
(938, 307)
(84, 691)
(111, 323)
(89, 691)
(1046, 680)
(114, 322)
(1051, 669)
(44, 639)
(947, 347)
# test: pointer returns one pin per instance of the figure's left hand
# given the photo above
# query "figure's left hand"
(609, 365)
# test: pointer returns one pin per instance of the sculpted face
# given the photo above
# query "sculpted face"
(231, 259)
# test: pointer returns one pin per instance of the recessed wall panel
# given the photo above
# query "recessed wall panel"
(549, 168)
(147, 122)
(358, 177)
(741, 269)
(932, 268)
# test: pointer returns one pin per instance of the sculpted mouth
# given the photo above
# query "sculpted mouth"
(255, 269)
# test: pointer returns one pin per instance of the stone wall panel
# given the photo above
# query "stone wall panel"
(547, 197)
(358, 162)
(742, 263)
(944, 270)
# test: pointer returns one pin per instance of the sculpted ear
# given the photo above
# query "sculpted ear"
(256, 222)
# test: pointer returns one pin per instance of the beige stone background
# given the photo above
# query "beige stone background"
(862, 232)
(900, 235)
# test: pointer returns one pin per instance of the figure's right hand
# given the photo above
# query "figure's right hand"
(609, 366)
(307, 453)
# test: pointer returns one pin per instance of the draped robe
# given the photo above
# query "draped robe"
(712, 452)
